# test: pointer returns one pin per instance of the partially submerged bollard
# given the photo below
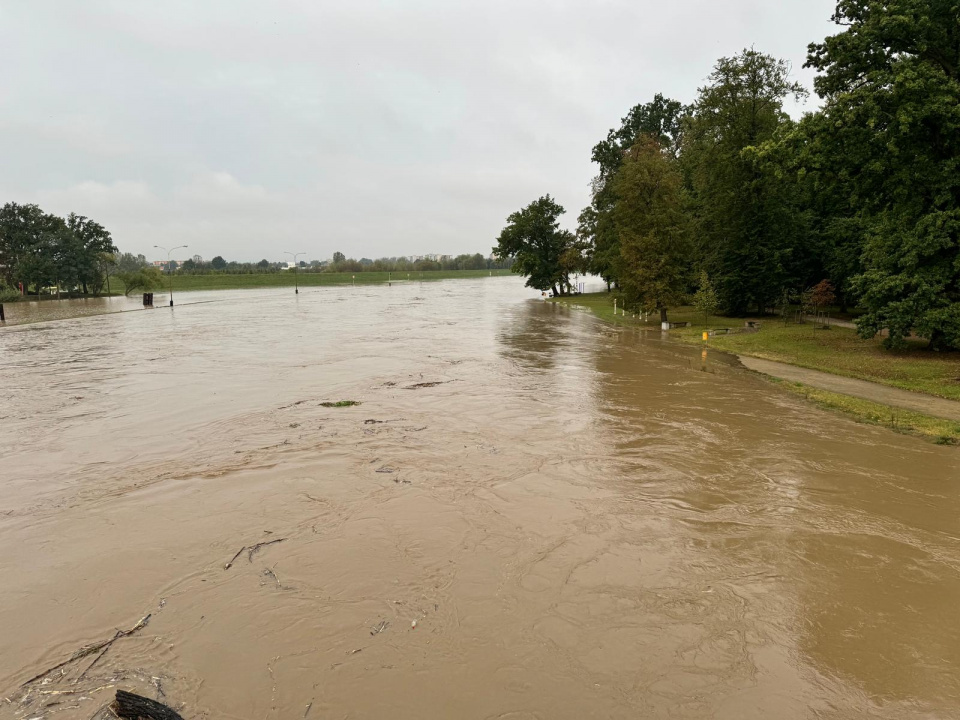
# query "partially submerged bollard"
(148, 299)
(2, 316)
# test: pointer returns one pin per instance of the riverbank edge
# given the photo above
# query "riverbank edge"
(906, 422)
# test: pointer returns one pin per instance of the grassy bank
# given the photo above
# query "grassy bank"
(942, 432)
(835, 350)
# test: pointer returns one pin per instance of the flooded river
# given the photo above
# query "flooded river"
(529, 515)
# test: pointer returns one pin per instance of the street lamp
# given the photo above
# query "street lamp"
(170, 269)
(296, 283)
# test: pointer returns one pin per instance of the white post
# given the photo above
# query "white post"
(614, 307)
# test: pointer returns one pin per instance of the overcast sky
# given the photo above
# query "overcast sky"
(244, 129)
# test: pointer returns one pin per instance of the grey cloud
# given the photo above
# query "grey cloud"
(375, 128)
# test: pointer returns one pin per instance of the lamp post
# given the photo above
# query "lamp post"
(170, 269)
(296, 282)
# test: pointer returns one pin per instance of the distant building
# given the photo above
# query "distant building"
(162, 264)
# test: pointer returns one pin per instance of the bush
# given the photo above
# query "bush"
(142, 279)
(8, 294)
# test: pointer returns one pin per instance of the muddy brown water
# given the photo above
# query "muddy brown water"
(581, 522)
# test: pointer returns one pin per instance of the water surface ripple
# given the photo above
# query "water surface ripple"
(581, 522)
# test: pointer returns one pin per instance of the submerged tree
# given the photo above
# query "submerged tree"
(541, 249)
(145, 278)
(653, 230)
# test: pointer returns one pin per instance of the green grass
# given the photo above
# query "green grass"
(907, 422)
(340, 404)
(186, 283)
(836, 350)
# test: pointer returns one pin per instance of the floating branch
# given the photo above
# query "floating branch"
(99, 647)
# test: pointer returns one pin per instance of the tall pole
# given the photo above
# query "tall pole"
(296, 281)
(170, 269)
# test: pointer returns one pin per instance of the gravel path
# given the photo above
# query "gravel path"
(926, 404)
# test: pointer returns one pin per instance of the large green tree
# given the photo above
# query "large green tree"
(653, 228)
(891, 121)
(29, 245)
(750, 225)
(40, 249)
(87, 242)
(542, 252)
(661, 119)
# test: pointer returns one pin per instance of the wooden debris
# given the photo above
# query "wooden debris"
(99, 647)
(252, 550)
(271, 573)
(136, 707)
(233, 559)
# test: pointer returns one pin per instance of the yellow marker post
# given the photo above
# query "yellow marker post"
(705, 335)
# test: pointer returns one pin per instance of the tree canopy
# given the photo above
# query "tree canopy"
(543, 252)
(862, 195)
(653, 229)
(40, 249)
(889, 132)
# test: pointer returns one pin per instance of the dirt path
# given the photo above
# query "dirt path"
(926, 404)
(832, 321)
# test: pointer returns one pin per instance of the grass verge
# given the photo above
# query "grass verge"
(907, 422)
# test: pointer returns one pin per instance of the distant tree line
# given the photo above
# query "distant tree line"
(76, 256)
(731, 201)
(341, 263)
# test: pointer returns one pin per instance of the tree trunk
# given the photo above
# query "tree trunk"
(663, 315)
(556, 292)
(937, 341)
